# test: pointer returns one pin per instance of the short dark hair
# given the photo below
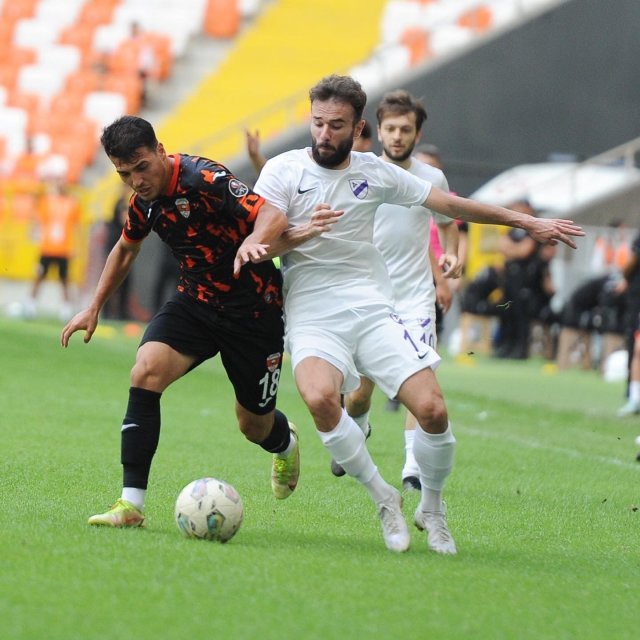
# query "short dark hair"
(428, 150)
(367, 132)
(342, 88)
(122, 138)
(400, 102)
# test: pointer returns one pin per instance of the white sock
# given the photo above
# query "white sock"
(410, 465)
(362, 421)
(134, 496)
(434, 455)
(634, 391)
(345, 443)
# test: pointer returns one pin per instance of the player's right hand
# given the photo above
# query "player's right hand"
(323, 218)
(87, 320)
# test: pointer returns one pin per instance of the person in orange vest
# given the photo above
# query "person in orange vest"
(58, 216)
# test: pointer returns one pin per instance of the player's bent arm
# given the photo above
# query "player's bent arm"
(115, 270)
(321, 221)
(543, 230)
(449, 261)
(269, 224)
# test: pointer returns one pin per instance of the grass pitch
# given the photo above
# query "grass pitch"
(543, 504)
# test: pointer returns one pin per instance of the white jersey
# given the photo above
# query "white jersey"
(401, 235)
(340, 269)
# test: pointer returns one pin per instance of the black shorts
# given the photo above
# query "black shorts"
(61, 263)
(250, 348)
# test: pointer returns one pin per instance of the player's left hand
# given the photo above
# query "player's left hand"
(554, 230)
(249, 252)
(444, 296)
(450, 265)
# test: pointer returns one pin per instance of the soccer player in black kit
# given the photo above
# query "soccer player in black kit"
(227, 302)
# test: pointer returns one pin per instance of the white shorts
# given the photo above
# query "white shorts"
(371, 341)
(423, 329)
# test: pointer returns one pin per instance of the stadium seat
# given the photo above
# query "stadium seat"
(478, 19)
(13, 10)
(34, 33)
(79, 35)
(97, 12)
(103, 107)
(416, 39)
(60, 58)
(41, 80)
(222, 18)
(129, 85)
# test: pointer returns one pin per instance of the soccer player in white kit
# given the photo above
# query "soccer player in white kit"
(402, 234)
(339, 317)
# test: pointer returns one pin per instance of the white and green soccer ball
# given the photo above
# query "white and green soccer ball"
(209, 509)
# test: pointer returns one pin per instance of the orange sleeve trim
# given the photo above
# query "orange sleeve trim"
(130, 240)
(173, 183)
(255, 209)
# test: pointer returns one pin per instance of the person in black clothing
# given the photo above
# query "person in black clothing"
(117, 306)
(228, 301)
(526, 287)
(629, 287)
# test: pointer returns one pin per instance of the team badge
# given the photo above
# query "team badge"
(360, 188)
(182, 204)
(237, 188)
(273, 362)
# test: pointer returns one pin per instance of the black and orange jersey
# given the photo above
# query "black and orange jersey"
(204, 217)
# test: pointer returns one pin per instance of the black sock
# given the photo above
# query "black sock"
(280, 436)
(140, 436)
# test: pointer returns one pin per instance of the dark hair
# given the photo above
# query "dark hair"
(342, 88)
(400, 102)
(428, 150)
(366, 132)
(122, 138)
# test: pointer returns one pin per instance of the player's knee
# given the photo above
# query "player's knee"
(146, 372)
(432, 414)
(321, 404)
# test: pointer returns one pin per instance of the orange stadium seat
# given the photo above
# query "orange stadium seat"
(97, 12)
(479, 19)
(83, 81)
(129, 85)
(80, 35)
(416, 40)
(29, 102)
(13, 10)
(222, 18)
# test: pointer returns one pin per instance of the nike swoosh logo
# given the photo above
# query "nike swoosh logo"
(301, 191)
(130, 425)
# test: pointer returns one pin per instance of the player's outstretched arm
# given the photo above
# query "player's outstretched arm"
(544, 230)
(115, 271)
(321, 221)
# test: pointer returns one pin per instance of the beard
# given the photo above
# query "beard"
(398, 157)
(333, 156)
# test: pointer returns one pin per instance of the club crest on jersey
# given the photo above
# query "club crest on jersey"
(273, 361)
(360, 188)
(182, 204)
(237, 188)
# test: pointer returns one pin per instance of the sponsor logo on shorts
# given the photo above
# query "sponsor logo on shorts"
(360, 188)
(237, 188)
(273, 361)
(182, 204)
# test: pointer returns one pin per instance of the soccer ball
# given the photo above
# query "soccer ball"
(209, 509)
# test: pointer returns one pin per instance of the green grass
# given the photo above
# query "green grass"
(542, 503)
